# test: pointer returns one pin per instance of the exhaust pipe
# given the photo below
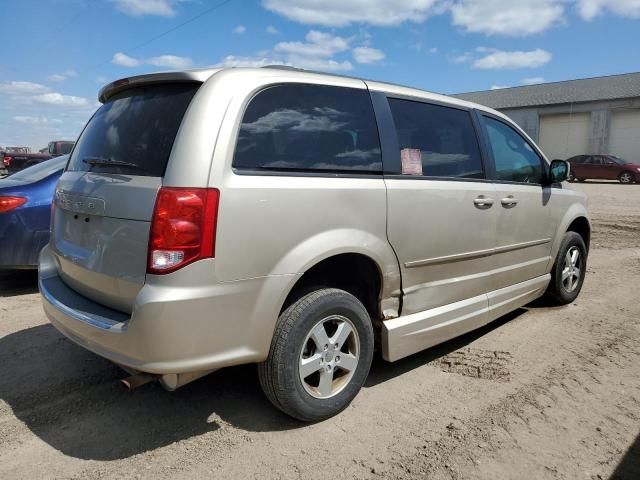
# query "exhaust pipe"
(137, 380)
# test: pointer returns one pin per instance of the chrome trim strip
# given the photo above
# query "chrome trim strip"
(519, 246)
(450, 258)
(475, 254)
(474, 276)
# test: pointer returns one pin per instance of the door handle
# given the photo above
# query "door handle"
(483, 202)
(509, 201)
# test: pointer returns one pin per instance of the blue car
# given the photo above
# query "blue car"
(25, 212)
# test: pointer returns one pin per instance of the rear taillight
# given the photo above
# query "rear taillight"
(7, 161)
(183, 228)
(10, 203)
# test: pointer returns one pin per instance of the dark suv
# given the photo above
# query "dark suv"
(603, 167)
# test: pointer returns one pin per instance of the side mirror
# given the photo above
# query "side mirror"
(558, 171)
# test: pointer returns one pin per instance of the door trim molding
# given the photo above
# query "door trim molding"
(476, 253)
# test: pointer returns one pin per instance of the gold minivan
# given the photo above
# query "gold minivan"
(299, 221)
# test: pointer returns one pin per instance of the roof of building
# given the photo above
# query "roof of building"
(571, 91)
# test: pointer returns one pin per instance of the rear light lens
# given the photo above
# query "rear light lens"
(183, 228)
(7, 161)
(10, 203)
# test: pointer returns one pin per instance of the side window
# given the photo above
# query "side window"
(514, 158)
(310, 128)
(436, 141)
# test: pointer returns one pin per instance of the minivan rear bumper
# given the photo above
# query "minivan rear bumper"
(173, 328)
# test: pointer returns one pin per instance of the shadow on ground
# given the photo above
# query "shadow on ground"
(18, 282)
(71, 399)
(629, 466)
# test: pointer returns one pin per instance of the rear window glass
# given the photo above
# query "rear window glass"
(309, 128)
(134, 131)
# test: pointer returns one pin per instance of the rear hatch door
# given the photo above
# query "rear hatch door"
(105, 199)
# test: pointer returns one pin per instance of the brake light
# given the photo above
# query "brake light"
(183, 228)
(11, 203)
(7, 161)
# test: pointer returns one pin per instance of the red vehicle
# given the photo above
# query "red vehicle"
(603, 167)
(14, 162)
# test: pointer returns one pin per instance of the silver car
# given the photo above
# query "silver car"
(300, 221)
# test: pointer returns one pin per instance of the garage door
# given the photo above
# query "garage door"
(624, 136)
(563, 136)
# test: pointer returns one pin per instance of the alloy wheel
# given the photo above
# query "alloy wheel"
(572, 269)
(329, 356)
(625, 177)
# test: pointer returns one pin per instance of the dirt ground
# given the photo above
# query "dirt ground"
(545, 393)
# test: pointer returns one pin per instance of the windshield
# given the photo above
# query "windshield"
(134, 131)
(41, 170)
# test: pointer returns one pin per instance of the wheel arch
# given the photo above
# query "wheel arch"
(576, 219)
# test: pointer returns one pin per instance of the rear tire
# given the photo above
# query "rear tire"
(320, 355)
(571, 177)
(626, 178)
(569, 269)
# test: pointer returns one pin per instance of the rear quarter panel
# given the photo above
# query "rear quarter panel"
(279, 224)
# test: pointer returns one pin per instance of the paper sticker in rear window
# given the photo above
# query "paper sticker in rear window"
(411, 161)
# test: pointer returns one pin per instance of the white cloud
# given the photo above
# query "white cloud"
(499, 59)
(319, 44)
(171, 61)
(58, 99)
(239, 30)
(340, 13)
(323, 64)
(315, 54)
(139, 8)
(35, 120)
(56, 77)
(367, 55)
(507, 17)
(272, 30)
(433, 50)
(463, 58)
(168, 61)
(589, 9)
(532, 80)
(498, 87)
(125, 60)
(22, 88)
(71, 73)
(252, 62)
(101, 79)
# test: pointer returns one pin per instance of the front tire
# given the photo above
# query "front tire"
(320, 355)
(569, 269)
(626, 178)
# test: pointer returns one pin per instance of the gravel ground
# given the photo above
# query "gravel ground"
(545, 393)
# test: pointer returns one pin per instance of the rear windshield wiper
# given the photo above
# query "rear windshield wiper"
(109, 162)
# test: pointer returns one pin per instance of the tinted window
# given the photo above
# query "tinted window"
(436, 141)
(305, 127)
(578, 159)
(41, 170)
(65, 147)
(136, 127)
(514, 158)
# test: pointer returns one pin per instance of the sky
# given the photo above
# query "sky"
(56, 54)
